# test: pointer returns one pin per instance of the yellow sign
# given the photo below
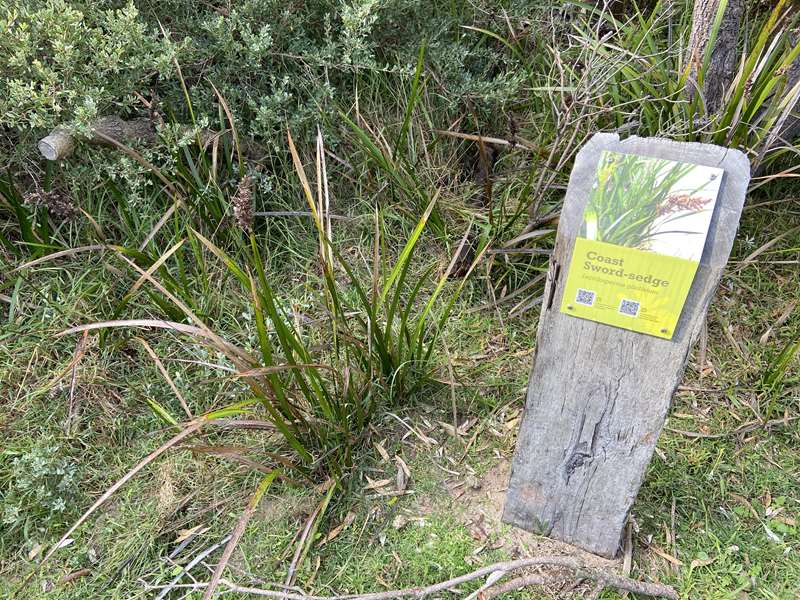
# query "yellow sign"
(641, 241)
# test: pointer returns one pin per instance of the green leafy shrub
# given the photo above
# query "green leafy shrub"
(68, 61)
(38, 492)
(277, 66)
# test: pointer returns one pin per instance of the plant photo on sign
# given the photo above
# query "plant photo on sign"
(651, 204)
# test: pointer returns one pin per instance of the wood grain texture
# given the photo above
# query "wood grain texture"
(598, 395)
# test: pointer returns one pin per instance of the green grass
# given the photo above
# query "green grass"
(720, 486)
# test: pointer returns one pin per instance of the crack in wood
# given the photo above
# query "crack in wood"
(552, 275)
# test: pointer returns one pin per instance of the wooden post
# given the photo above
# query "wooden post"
(598, 395)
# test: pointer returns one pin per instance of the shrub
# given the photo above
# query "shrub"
(38, 492)
(647, 79)
(68, 61)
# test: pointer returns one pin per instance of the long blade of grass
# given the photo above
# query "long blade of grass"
(443, 280)
(298, 167)
(236, 354)
(290, 341)
(285, 332)
(514, 49)
(372, 325)
(243, 278)
(238, 531)
(712, 39)
(60, 254)
(165, 375)
(327, 197)
(189, 566)
(307, 539)
(407, 336)
(161, 412)
(776, 371)
(159, 224)
(232, 410)
(232, 123)
(408, 248)
(775, 126)
(144, 323)
(412, 100)
(9, 193)
(150, 270)
(259, 371)
(444, 315)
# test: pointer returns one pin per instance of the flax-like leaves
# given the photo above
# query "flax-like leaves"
(626, 196)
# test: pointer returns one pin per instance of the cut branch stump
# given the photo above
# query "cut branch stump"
(60, 143)
(598, 396)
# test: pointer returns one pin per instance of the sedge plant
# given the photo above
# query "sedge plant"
(320, 386)
(648, 66)
(628, 197)
(26, 228)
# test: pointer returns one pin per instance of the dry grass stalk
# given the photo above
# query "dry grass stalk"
(237, 533)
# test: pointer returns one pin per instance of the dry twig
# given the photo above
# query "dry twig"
(581, 571)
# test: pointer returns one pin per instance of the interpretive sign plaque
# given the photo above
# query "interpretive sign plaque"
(642, 236)
(600, 390)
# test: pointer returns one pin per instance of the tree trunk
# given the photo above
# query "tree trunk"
(722, 63)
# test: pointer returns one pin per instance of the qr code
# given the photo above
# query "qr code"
(629, 307)
(585, 297)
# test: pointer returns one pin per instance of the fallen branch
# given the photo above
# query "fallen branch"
(623, 584)
(495, 571)
(60, 143)
(113, 131)
(516, 584)
(490, 140)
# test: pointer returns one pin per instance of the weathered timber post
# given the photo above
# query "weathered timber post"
(598, 395)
